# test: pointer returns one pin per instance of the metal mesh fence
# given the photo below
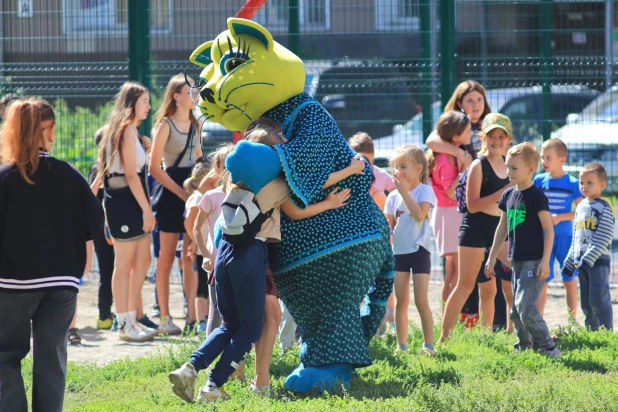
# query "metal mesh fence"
(386, 67)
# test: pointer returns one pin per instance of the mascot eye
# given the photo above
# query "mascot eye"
(232, 63)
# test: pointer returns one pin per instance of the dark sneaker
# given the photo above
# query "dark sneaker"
(145, 320)
(189, 329)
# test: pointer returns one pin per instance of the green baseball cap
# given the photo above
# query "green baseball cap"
(497, 120)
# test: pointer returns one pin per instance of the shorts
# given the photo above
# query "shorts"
(418, 262)
(271, 289)
(477, 230)
(156, 243)
(559, 252)
(502, 271)
(171, 209)
(202, 278)
(445, 222)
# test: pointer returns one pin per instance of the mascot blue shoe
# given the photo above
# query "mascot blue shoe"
(324, 265)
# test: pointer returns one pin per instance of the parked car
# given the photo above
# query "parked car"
(521, 104)
(592, 136)
(362, 96)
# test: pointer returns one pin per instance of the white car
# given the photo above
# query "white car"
(521, 104)
(592, 136)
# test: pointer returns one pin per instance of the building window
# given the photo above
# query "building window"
(313, 14)
(111, 15)
(397, 15)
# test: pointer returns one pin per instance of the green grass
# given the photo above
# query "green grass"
(474, 370)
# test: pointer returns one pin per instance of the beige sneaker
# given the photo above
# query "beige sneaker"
(168, 327)
(183, 380)
(211, 393)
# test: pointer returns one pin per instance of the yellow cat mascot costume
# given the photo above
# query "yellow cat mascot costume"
(324, 265)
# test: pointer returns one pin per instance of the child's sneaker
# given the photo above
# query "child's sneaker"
(183, 381)
(105, 324)
(146, 322)
(260, 390)
(167, 326)
(201, 327)
(553, 353)
(131, 333)
(428, 351)
(211, 393)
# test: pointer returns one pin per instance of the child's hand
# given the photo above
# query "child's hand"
(490, 268)
(399, 182)
(191, 251)
(357, 166)
(207, 264)
(339, 199)
(543, 271)
(554, 219)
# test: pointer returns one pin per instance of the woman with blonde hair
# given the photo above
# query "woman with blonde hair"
(174, 152)
(122, 167)
(46, 210)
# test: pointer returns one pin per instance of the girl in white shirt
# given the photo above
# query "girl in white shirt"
(407, 212)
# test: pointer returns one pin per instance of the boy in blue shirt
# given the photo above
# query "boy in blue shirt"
(561, 190)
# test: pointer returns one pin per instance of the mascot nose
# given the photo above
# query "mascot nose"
(207, 94)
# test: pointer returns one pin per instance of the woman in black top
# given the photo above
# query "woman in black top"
(47, 214)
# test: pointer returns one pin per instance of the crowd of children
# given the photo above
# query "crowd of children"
(480, 205)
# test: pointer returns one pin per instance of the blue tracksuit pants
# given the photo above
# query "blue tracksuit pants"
(240, 281)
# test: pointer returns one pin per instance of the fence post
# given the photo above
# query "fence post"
(447, 49)
(426, 66)
(139, 48)
(546, 16)
(294, 26)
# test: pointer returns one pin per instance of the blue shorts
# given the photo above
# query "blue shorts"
(560, 252)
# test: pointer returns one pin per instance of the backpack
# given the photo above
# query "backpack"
(242, 217)
(460, 190)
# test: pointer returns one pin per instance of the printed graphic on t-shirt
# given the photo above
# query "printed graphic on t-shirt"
(516, 216)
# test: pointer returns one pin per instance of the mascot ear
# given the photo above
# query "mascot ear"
(250, 28)
(201, 55)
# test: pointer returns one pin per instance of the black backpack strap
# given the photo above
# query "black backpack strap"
(189, 138)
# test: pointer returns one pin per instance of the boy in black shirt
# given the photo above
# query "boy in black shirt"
(527, 221)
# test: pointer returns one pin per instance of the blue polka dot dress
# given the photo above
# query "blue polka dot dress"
(325, 265)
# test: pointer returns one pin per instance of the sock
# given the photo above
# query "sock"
(403, 346)
(428, 345)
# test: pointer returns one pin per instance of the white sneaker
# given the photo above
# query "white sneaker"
(167, 326)
(211, 393)
(151, 333)
(127, 331)
(183, 380)
(552, 354)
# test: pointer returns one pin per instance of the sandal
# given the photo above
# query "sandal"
(74, 338)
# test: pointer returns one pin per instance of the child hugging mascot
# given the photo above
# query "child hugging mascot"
(325, 265)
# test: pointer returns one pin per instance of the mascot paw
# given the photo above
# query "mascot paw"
(323, 378)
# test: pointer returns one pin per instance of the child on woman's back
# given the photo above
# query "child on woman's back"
(454, 128)
(407, 212)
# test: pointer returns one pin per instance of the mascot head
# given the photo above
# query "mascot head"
(245, 74)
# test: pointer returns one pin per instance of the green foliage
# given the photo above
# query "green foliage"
(75, 130)
(474, 370)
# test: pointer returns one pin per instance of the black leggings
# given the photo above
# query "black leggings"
(105, 256)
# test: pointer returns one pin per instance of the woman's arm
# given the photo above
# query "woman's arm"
(332, 201)
(96, 185)
(356, 167)
(133, 179)
(435, 143)
(156, 155)
(474, 202)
